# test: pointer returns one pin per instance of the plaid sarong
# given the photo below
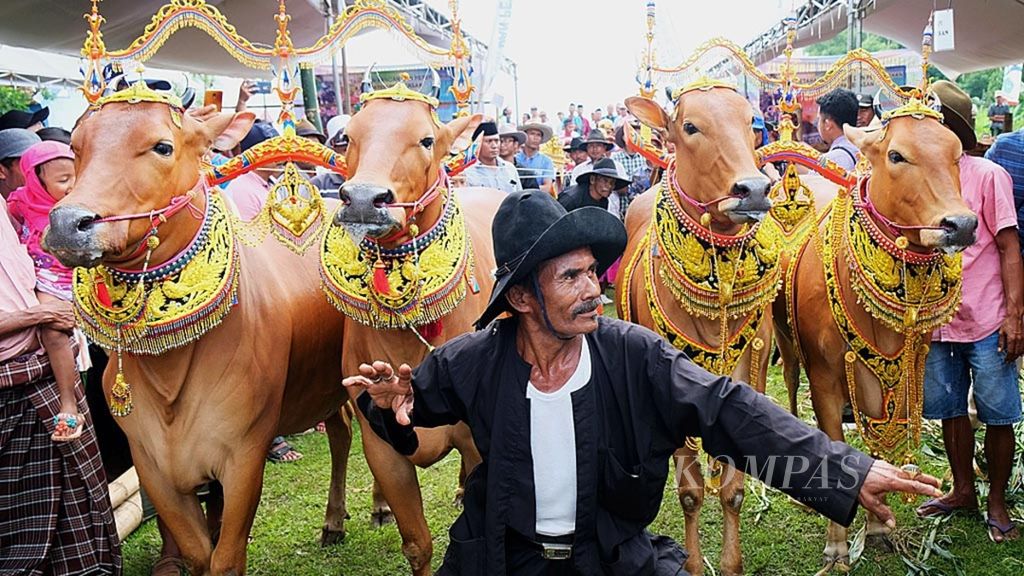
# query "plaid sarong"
(55, 515)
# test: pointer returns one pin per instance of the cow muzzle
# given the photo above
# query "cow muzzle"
(748, 201)
(954, 234)
(364, 210)
(71, 237)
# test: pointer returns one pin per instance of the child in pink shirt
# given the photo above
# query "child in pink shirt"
(49, 170)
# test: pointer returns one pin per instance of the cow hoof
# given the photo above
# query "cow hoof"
(381, 518)
(879, 542)
(837, 563)
(331, 537)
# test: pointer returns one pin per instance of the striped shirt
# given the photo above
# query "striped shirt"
(1008, 152)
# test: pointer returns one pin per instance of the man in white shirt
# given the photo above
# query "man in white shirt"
(490, 171)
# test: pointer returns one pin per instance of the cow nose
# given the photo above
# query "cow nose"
(960, 228)
(751, 188)
(69, 224)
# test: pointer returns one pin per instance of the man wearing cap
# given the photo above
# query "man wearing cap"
(835, 110)
(865, 110)
(594, 186)
(997, 114)
(329, 182)
(979, 346)
(489, 170)
(31, 121)
(13, 143)
(536, 170)
(576, 416)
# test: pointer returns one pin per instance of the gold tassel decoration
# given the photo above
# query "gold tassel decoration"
(121, 391)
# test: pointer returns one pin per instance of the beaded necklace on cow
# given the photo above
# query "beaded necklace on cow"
(910, 293)
(411, 286)
(152, 310)
(702, 271)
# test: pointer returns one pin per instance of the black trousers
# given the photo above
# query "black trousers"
(524, 558)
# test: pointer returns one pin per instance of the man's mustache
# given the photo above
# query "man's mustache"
(586, 307)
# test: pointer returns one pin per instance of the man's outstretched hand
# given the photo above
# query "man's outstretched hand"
(386, 388)
(884, 478)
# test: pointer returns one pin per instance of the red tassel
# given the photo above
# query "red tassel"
(431, 330)
(380, 278)
(102, 294)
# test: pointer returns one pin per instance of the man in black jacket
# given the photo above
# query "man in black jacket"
(577, 415)
(593, 187)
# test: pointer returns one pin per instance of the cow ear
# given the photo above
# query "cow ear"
(461, 131)
(228, 129)
(864, 140)
(649, 112)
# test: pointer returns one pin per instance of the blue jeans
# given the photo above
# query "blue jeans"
(952, 367)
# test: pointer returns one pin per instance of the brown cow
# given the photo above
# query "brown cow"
(713, 180)
(395, 189)
(915, 190)
(207, 409)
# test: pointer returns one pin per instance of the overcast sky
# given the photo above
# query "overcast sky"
(587, 51)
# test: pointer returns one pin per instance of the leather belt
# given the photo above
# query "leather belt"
(550, 547)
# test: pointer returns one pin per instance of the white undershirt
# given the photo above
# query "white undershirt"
(553, 442)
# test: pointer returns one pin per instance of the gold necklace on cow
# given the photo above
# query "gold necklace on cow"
(711, 276)
(424, 279)
(911, 294)
(157, 309)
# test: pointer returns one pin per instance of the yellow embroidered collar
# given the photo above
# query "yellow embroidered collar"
(170, 305)
(426, 278)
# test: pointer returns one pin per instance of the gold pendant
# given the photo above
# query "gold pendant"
(120, 396)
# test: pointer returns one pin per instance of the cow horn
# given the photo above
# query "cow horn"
(367, 86)
(668, 93)
(434, 88)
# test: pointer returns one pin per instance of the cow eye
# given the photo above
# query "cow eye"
(689, 128)
(163, 148)
(427, 142)
(895, 157)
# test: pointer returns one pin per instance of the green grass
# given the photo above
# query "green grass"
(784, 540)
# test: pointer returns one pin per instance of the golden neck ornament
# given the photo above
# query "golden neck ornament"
(909, 294)
(424, 278)
(158, 309)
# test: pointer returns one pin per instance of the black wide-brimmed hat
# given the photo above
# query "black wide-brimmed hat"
(575, 144)
(23, 119)
(604, 167)
(598, 137)
(531, 227)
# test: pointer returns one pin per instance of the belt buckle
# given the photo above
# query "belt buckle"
(553, 551)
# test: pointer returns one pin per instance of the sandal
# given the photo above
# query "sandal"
(282, 452)
(67, 427)
(991, 524)
(940, 508)
(169, 566)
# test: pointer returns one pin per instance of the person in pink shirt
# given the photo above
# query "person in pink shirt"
(49, 169)
(980, 345)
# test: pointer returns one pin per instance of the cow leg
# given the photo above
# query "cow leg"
(181, 513)
(243, 483)
(339, 438)
(381, 514)
(828, 408)
(731, 497)
(463, 440)
(790, 370)
(396, 477)
(690, 489)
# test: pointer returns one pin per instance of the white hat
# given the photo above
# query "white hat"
(336, 125)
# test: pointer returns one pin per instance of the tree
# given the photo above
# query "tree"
(837, 46)
(12, 98)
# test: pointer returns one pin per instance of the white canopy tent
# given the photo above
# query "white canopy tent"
(988, 33)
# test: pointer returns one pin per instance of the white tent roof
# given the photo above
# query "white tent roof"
(988, 33)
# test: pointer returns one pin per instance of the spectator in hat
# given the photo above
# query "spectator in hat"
(31, 121)
(306, 129)
(865, 110)
(536, 170)
(510, 139)
(13, 143)
(329, 182)
(597, 147)
(489, 170)
(576, 150)
(997, 114)
(56, 134)
(978, 348)
(835, 110)
(594, 186)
